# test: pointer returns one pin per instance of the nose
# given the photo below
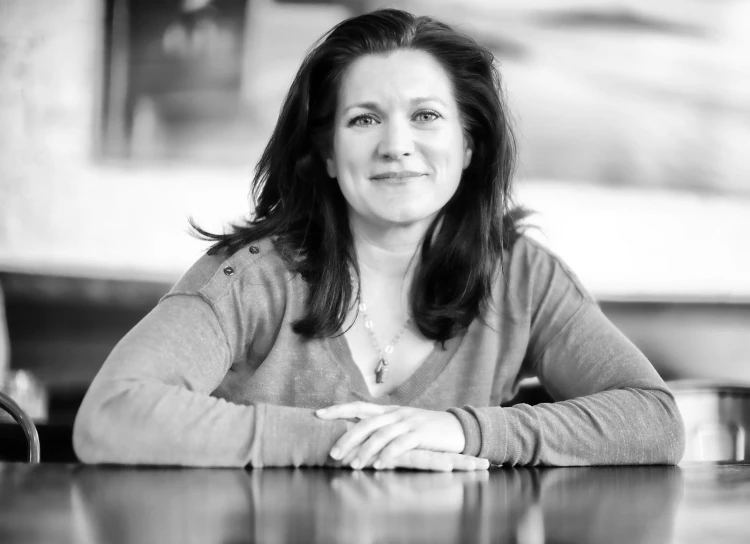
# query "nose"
(397, 140)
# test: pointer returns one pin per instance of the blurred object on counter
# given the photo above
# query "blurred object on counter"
(717, 419)
(28, 392)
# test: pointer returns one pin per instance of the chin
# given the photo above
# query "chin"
(405, 217)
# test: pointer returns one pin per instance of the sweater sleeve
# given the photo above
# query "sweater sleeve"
(611, 406)
(150, 403)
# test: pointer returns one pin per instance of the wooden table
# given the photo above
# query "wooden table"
(75, 503)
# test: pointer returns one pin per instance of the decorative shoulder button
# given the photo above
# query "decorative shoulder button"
(228, 270)
(254, 250)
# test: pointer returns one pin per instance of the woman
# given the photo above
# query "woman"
(383, 277)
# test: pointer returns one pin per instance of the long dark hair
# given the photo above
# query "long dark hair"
(305, 212)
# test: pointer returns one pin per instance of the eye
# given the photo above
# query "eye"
(363, 120)
(425, 116)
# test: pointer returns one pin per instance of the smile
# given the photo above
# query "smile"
(398, 175)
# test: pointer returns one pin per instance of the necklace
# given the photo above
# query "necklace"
(381, 371)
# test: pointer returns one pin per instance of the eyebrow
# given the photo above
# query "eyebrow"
(414, 101)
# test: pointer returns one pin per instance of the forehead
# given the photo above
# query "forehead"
(395, 78)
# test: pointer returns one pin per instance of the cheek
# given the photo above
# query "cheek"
(352, 155)
(450, 158)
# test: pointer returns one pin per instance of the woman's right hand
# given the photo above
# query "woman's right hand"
(437, 461)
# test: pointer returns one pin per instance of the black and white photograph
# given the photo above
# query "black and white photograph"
(352, 271)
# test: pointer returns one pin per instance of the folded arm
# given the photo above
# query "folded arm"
(150, 403)
(612, 407)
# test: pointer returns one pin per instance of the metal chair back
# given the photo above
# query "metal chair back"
(26, 423)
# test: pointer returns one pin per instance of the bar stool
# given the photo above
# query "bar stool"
(29, 429)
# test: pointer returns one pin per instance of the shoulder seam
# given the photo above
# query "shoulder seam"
(248, 263)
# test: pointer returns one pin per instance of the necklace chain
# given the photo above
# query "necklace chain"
(381, 371)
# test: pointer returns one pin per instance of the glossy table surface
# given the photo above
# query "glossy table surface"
(75, 503)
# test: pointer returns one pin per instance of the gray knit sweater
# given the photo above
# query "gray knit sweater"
(215, 376)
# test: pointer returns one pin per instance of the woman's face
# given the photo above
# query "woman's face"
(398, 146)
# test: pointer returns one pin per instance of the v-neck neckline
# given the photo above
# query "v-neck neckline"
(413, 387)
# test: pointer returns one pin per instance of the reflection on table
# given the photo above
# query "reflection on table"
(76, 503)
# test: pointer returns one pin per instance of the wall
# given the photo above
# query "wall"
(65, 211)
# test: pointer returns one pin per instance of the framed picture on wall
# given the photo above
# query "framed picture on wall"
(173, 77)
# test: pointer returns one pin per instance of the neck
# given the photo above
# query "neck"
(389, 253)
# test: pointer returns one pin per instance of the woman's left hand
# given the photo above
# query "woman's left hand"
(386, 432)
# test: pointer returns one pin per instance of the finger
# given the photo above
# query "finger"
(424, 460)
(377, 441)
(359, 433)
(349, 410)
(347, 461)
(399, 446)
(468, 462)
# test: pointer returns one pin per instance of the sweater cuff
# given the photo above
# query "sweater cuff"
(472, 431)
(292, 437)
(493, 430)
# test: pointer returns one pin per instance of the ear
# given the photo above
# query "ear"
(468, 151)
(331, 167)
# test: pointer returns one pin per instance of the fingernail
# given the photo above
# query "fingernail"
(377, 464)
(336, 453)
(321, 411)
(356, 464)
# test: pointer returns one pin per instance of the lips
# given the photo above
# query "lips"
(398, 175)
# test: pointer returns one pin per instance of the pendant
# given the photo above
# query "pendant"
(381, 372)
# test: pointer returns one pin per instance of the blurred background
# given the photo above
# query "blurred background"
(121, 118)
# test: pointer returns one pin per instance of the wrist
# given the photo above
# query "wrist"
(457, 434)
